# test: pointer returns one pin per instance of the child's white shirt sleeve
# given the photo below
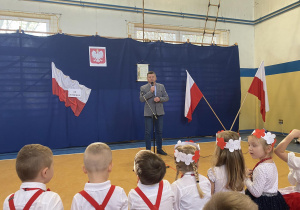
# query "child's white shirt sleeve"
(256, 187)
(294, 165)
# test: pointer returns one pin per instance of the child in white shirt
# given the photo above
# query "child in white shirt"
(228, 169)
(99, 191)
(34, 166)
(152, 191)
(262, 181)
(291, 194)
(192, 190)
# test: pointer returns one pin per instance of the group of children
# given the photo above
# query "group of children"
(223, 189)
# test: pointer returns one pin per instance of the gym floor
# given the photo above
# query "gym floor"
(69, 178)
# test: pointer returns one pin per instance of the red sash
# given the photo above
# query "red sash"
(147, 201)
(94, 203)
(29, 203)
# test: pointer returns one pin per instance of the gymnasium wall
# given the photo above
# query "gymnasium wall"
(113, 23)
(277, 42)
(30, 113)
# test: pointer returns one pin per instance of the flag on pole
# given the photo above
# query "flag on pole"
(258, 88)
(192, 97)
(70, 91)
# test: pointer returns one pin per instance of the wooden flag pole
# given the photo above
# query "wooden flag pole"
(239, 110)
(214, 112)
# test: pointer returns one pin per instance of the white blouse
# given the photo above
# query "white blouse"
(218, 175)
(265, 180)
(294, 175)
(186, 193)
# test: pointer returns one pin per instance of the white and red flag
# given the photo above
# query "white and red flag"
(69, 91)
(192, 97)
(258, 88)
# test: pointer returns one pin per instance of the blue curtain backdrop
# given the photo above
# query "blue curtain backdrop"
(30, 113)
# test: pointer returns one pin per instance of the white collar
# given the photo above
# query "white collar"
(97, 186)
(189, 173)
(147, 187)
(33, 185)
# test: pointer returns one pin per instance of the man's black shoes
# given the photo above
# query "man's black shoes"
(161, 152)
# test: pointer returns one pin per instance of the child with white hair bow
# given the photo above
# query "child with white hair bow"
(262, 181)
(228, 165)
(192, 190)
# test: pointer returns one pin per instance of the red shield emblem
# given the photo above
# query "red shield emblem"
(97, 56)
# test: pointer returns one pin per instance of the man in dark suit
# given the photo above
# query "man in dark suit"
(156, 95)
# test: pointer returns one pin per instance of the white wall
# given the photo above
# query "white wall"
(277, 40)
(265, 7)
(83, 20)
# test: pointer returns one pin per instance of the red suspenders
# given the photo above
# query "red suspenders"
(29, 203)
(11, 202)
(147, 201)
(94, 203)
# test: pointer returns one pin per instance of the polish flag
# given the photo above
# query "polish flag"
(259, 89)
(70, 91)
(192, 97)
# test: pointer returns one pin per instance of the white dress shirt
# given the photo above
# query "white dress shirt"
(48, 200)
(186, 192)
(167, 198)
(265, 180)
(98, 191)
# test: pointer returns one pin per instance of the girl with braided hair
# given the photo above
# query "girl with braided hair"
(192, 190)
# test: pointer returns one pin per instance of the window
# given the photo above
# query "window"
(177, 34)
(156, 35)
(26, 24)
(31, 23)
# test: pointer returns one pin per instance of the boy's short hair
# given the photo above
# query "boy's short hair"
(149, 167)
(150, 72)
(230, 200)
(97, 157)
(31, 159)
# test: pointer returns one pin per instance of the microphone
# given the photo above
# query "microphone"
(152, 83)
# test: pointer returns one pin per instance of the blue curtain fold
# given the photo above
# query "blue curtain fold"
(30, 113)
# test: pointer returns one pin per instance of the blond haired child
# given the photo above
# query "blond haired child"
(291, 194)
(228, 169)
(34, 166)
(262, 181)
(152, 191)
(98, 193)
(231, 200)
(192, 190)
